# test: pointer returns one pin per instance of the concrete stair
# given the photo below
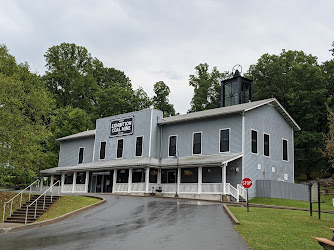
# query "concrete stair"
(19, 215)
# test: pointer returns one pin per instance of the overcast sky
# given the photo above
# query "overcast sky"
(156, 40)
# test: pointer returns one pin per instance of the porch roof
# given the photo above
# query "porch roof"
(195, 160)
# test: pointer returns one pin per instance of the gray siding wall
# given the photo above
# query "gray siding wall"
(69, 151)
(210, 135)
(267, 120)
(141, 127)
(282, 190)
(232, 176)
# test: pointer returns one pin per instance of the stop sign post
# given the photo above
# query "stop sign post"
(247, 183)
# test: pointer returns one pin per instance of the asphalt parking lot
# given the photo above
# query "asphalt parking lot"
(135, 223)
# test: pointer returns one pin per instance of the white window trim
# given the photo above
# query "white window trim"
(105, 151)
(229, 140)
(267, 156)
(192, 144)
(257, 142)
(287, 149)
(169, 145)
(83, 155)
(142, 146)
(117, 148)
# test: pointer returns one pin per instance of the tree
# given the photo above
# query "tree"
(299, 84)
(207, 88)
(329, 138)
(69, 76)
(160, 99)
(65, 121)
(25, 109)
(141, 99)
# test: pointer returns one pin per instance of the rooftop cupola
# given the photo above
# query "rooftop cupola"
(236, 90)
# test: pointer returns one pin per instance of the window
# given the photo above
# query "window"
(197, 143)
(68, 179)
(189, 175)
(153, 176)
(212, 175)
(172, 145)
(138, 175)
(81, 178)
(122, 175)
(285, 150)
(81, 155)
(224, 136)
(254, 142)
(266, 145)
(139, 146)
(103, 150)
(168, 175)
(120, 148)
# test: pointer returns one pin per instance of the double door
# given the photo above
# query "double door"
(102, 182)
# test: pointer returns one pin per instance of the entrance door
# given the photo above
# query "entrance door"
(107, 184)
(102, 182)
(171, 176)
(99, 184)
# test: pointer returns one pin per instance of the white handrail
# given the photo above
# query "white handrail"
(12, 199)
(232, 191)
(242, 191)
(35, 201)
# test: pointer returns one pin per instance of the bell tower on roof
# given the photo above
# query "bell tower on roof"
(236, 90)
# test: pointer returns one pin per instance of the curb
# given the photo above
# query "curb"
(54, 220)
(231, 215)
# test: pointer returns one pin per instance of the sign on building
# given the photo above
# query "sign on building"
(121, 127)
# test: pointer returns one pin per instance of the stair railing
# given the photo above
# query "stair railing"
(230, 190)
(36, 201)
(242, 191)
(12, 199)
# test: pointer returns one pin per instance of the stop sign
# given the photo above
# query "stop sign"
(246, 182)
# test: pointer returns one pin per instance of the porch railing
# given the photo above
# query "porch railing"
(230, 190)
(36, 201)
(21, 193)
(242, 191)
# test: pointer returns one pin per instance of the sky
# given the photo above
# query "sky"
(160, 40)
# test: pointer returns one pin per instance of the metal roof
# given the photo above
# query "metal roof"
(244, 107)
(78, 135)
(148, 162)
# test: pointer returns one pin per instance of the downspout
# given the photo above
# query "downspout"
(150, 142)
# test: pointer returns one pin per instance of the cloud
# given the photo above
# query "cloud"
(153, 40)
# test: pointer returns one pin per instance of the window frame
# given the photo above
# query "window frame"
(268, 156)
(169, 145)
(142, 146)
(229, 140)
(287, 150)
(105, 151)
(83, 155)
(121, 139)
(257, 142)
(193, 135)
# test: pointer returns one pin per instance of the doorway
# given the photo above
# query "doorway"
(101, 182)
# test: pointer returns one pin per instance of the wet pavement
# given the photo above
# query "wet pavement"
(135, 223)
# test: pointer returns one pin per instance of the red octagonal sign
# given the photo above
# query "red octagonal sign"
(246, 182)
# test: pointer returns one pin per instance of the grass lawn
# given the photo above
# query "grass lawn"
(266, 228)
(67, 204)
(6, 196)
(327, 205)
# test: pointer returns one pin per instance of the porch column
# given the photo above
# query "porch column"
(224, 177)
(86, 181)
(199, 189)
(159, 177)
(62, 182)
(51, 183)
(130, 180)
(178, 180)
(74, 181)
(147, 179)
(114, 181)
(41, 186)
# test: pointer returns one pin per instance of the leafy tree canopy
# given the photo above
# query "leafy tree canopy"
(160, 99)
